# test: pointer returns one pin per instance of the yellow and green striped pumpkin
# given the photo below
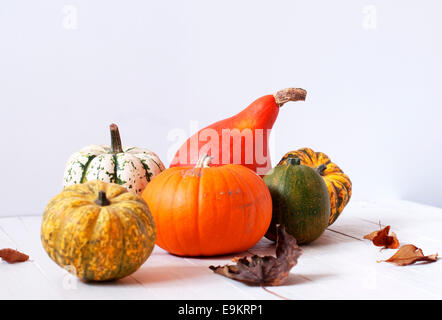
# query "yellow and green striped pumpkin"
(98, 230)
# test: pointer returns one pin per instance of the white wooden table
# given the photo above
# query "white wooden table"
(339, 265)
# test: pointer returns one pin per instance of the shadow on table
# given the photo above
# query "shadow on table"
(298, 279)
(149, 275)
(153, 274)
(194, 267)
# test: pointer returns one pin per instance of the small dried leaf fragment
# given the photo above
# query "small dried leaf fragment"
(409, 254)
(13, 256)
(265, 270)
(381, 238)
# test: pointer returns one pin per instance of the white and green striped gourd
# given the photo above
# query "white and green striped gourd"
(130, 167)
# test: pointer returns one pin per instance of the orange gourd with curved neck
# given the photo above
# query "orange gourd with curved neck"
(240, 139)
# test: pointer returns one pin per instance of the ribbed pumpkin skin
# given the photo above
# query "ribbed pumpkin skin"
(300, 202)
(338, 183)
(98, 243)
(208, 211)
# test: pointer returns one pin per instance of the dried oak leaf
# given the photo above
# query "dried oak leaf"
(409, 254)
(265, 270)
(13, 256)
(380, 238)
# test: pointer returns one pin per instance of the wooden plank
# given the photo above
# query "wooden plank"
(21, 280)
(66, 285)
(163, 276)
(417, 281)
(174, 277)
(44, 279)
(339, 265)
(413, 223)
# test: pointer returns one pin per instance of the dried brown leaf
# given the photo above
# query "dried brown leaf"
(409, 254)
(381, 238)
(13, 256)
(265, 270)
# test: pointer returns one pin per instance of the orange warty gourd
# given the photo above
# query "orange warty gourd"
(206, 211)
(241, 139)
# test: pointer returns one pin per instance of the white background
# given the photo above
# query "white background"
(69, 69)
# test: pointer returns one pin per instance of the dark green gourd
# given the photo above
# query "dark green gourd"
(300, 201)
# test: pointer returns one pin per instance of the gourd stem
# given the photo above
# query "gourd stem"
(102, 200)
(115, 139)
(294, 161)
(289, 94)
(204, 161)
(320, 169)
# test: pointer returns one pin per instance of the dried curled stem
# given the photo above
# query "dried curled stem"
(204, 161)
(289, 94)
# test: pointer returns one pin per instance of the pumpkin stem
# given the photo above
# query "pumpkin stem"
(115, 139)
(204, 161)
(289, 94)
(321, 169)
(102, 200)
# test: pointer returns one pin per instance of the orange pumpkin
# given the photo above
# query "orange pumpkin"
(206, 211)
